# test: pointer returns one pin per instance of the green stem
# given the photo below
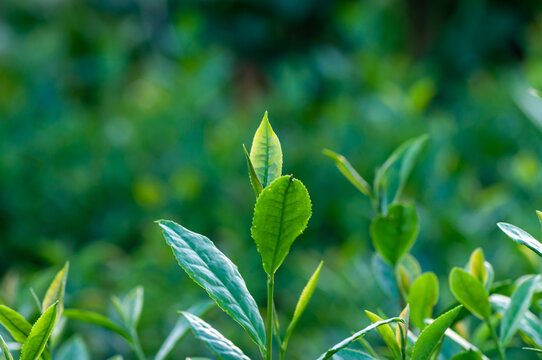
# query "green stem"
(500, 350)
(136, 346)
(282, 352)
(269, 330)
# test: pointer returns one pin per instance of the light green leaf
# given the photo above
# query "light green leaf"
(394, 233)
(56, 290)
(349, 172)
(407, 271)
(469, 355)
(358, 335)
(519, 304)
(214, 272)
(180, 329)
(477, 266)
(386, 332)
(470, 292)
(397, 168)
(16, 324)
(281, 214)
(130, 307)
(422, 298)
(256, 185)
(431, 335)
(223, 348)
(73, 349)
(266, 153)
(39, 334)
(302, 303)
(5, 349)
(521, 237)
(96, 319)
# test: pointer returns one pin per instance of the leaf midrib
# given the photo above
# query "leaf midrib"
(281, 223)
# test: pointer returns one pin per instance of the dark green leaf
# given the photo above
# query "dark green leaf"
(39, 334)
(266, 153)
(470, 292)
(281, 214)
(213, 271)
(422, 298)
(223, 348)
(394, 233)
(431, 335)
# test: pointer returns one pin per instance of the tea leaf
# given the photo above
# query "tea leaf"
(130, 307)
(423, 297)
(349, 172)
(358, 335)
(223, 348)
(73, 349)
(386, 333)
(521, 237)
(5, 349)
(16, 324)
(469, 355)
(407, 271)
(431, 335)
(56, 290)
(256, 185)
(180, 329)
(281, 214)
(394, 233)
(266, 153)
(302, 303)
(39, 334)
(214, 272)
(96, 319)
(476, 265)
(519, 304)
(470, 292)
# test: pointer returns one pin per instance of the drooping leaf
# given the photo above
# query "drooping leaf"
(431, 335)
(96, 319)
(302, 303)
(214, 272)
(358, 335)
(394, 233)
(521, 237)
(5, 349)
(15, 323)
(386, 332)
(470, 292)
(423, 297)
(392, 176)
(180, 329)
(281, 214)
(223, 348)
(39, 334)
(266, 153)
(256, 185)
(349, 172)
(519, 304)
(56, 290)
(476, 265)
(130, 307)
(73, 349)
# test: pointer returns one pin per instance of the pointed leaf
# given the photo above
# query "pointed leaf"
(402, 328)
(266, 153)
(302, 303)
(386, 333)
(130, 307)
(223, 348)
(470, 292)
(16, 324)
(96, 319)
(214, 272)
(5, 349)
(349, 172)
(256, 185)
(521, 237)
(281, 214)
(180, 329)
(394, 233)
(56, 290)
(477, 265)
(519, 304)
(349, 340)
(423, 297)
(41, 331)
(431, 335)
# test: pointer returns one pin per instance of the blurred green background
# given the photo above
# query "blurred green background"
(115, 113)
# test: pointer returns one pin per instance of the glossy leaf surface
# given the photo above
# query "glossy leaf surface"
(470, 292)
(266, 153)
